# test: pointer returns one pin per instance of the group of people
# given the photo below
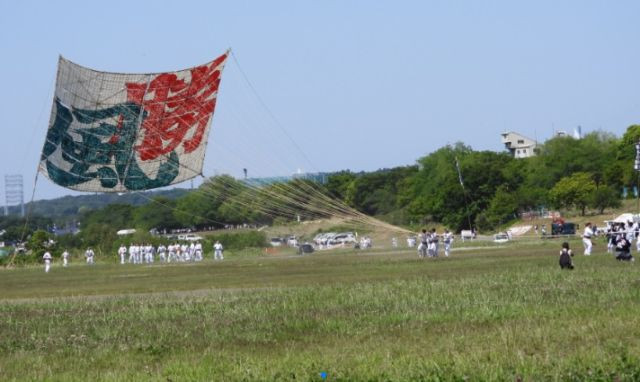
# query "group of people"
(430, 243)
(620, 237)
(147, 254)
(364, 243)
(65, 259)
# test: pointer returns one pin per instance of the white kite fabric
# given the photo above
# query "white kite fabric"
(115, 132)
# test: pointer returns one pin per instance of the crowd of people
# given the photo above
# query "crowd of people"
(147, 254)
(620, 238)
(429, 243)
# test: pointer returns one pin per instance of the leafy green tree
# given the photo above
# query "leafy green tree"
(438, 194)
(626, 154)
(378, 192)
(531, 197)
(99, 236)
(604, 197)
(573, 191)
(503, 207)
(158, 214)
(119, 216)
(338, 183)
(39, 242)
(193, 209)
(561, 157)
(200, 207)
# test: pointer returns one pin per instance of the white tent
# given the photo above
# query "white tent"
(626, 217)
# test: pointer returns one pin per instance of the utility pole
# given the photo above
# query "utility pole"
(636, 166)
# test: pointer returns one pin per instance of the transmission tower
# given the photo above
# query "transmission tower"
(14, 193)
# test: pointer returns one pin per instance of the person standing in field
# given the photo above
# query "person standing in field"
(198, 252)
(65, 258)
(47, 261)
(132, 255)
(586, 239)
(565, 257)
(217, 251)
(433, 243)
(424, 244)
(447, 238)
(162, 253)
(89, 256)
(122, 251)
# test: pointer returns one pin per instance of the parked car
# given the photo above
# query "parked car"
(305, 248)
(292, 241)
(276, 241)
(563, 228)
(323, 238)
(500, 238)
(343, 238)
(190, 237)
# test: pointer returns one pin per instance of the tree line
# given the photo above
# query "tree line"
(566, 173)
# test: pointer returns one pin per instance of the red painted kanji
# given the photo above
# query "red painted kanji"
(176, 106)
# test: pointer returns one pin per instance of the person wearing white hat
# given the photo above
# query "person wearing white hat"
(47, 261)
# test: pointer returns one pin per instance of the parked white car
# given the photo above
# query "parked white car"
(190, 237)
(276, 241)
(500, 238)
(343, 238)
(323, 238)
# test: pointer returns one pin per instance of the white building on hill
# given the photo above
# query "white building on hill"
(518, 145)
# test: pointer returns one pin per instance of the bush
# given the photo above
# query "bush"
(240, 240)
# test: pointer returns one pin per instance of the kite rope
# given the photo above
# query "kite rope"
(268, 110)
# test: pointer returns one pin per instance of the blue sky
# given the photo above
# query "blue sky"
(357, 85)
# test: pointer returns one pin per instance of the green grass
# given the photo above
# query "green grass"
(486, 314)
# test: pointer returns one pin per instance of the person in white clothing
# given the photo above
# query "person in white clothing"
(89, 255)
(422, 247)
(184, 255)
(217, 250)
(65, 258)
(47, 261)
(122, 251)
(132, 254)
(586, 239)
(162, 253)
(198, 251)
(433, 243)
(447, 238)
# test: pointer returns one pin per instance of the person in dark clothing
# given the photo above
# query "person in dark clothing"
(623, 248)
(565, 257)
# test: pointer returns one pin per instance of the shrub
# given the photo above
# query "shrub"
(240, 240)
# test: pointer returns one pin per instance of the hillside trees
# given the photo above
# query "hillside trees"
(604, 197)
(437, 194)
(573, 191)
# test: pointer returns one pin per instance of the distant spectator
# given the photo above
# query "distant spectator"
(623, 248)
(586, 239)
(565, 257)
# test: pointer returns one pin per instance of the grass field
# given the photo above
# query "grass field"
(504, 313)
